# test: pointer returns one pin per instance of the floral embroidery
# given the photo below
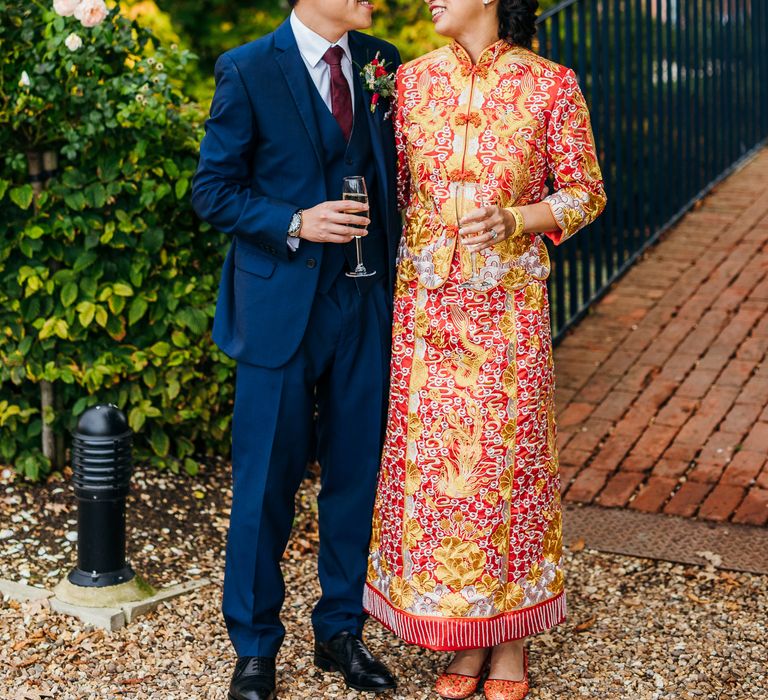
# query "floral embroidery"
(467, 537)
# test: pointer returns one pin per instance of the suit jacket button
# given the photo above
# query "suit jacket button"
(311, 263)
(349, 161)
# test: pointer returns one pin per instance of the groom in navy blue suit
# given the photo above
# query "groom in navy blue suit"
(291, 117)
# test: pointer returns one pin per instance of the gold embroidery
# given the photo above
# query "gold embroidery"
(507, 484)
(460, 563)
(423, 583)
(412, 477)
(509, 596)
(412, 533)
(487, 586)
(553, 539)
(515, 279)
(462, 476)
(507, 324)
(454, 605)
(376, 530)
(419, 374)
(474, 357)
(534, 575)
(500, 539)
(534, 297)
(557, 584)
(401, 593)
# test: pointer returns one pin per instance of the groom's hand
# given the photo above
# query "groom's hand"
(331, 222)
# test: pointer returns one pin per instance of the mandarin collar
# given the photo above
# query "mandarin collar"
(487, 57)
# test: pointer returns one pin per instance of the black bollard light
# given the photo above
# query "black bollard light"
(102, 466)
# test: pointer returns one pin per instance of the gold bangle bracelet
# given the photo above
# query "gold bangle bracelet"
(519, 222)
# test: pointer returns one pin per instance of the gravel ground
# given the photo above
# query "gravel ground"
(637, 628)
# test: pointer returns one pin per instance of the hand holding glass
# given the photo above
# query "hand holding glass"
(466, 198)
(354, 190)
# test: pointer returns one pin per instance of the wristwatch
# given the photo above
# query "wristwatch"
(295, 228)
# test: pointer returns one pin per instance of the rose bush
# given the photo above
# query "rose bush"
(107, 280)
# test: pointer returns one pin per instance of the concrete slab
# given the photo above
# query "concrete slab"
(22, 591)
(104, 597)
(107, 618)
(110, 619)
(133, 610)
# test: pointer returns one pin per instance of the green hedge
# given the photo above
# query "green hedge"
(107, 280)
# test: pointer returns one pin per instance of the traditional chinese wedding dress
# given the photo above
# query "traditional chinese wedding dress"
(467, 533)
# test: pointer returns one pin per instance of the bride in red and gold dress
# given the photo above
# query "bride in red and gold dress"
(467, 537)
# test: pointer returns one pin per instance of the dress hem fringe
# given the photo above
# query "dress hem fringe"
(454, 634)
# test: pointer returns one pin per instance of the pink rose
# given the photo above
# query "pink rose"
(65, 8)
(91, 12)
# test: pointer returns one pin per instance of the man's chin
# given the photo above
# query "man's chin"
(363, 18)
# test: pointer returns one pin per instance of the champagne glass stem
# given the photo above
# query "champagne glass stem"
(473, 257)
(359, 250)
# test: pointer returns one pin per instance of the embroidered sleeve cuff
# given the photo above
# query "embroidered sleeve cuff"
(572, 210)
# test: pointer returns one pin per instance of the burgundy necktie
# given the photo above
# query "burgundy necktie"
(341, 98)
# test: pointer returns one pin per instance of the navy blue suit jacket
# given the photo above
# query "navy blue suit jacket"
(260, 161)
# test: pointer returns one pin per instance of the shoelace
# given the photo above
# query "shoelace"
(360, 646)
(257, 665)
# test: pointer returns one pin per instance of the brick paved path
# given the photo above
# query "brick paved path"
(662, 390)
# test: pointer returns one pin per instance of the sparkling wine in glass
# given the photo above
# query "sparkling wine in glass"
(466, 198)
(354, 190)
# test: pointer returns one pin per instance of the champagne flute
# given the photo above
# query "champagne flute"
(354, 190)
(466, 198)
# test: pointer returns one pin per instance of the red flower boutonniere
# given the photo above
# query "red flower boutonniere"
(378, 80)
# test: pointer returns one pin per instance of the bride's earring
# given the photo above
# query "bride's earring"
(487, 2)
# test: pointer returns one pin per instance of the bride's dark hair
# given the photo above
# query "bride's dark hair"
(517, 21)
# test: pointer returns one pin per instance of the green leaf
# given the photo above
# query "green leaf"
(161, 349)
(101, 316)
(171, 168)
(160, 442)
(136, 419)
(4, 184)
(122, 289)
(86, 311)
(62, 329)
(69, 294)
(84, 260)
(137, 309)
(33, 232)
(182, 186)
(80, 405)
(191, 466)
(75, 200)
(116, 304)
(22, 196)
(153, 239)
(48, 329)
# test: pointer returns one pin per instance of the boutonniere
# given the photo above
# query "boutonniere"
(378, 80)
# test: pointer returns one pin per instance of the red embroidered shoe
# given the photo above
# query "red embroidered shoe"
(498, 689)
(457, 686)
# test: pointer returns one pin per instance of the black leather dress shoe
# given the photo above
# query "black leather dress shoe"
(349, 655)
(253, 679)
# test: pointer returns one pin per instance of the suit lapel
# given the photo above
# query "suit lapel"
(292, 64)
(360, 58)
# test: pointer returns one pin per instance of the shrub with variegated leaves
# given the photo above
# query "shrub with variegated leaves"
(107, 280)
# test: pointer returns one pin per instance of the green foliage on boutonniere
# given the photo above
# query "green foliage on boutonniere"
(378, 80)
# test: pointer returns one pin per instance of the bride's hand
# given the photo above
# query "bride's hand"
(486, 227)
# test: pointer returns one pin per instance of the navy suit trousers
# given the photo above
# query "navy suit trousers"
(343, 364)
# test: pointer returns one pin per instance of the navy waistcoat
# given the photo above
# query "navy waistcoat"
(342, 159)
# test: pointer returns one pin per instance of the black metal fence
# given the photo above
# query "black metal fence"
(678, 92)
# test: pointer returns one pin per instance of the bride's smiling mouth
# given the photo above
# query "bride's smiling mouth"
(437, 11)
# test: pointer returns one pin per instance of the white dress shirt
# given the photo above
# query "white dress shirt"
(312, 48)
